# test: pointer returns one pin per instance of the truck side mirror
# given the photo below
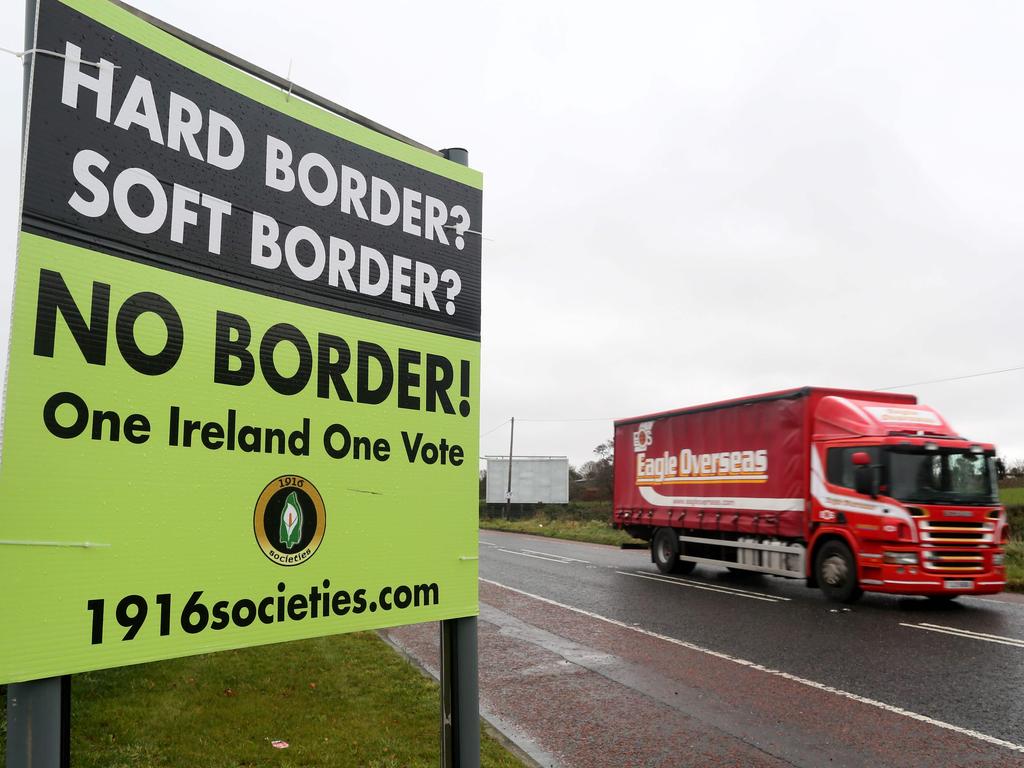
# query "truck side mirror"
(864, 478)
(864, 481)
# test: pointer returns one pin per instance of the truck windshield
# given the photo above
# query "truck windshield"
(948, 477)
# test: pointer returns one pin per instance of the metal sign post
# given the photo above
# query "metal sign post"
(460, 695)
(39, 723)
(460, 707)
(38, 711)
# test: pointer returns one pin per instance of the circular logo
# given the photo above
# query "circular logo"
(289, 520)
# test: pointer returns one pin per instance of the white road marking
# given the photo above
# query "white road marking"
(1004, 603)
(535, 557)
(776, 672)
(563, 557)
(725, 588)
(966, 633)
(694, 585)
(487, 543)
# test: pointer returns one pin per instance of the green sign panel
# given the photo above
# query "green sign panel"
(242, 397)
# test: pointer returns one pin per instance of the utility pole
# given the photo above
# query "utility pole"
(508, 490)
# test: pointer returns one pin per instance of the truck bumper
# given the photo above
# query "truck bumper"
(907, 580)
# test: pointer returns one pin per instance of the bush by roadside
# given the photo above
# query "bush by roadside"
(1015, 565)
(574, 510)
(1015, 549)
(1015, 516)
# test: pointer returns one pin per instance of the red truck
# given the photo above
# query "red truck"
(850, 490)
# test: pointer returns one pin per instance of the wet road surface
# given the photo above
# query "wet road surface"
(590, 657)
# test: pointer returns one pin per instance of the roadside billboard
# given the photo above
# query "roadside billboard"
(243, 378)
(535, 480)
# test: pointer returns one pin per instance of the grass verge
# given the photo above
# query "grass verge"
(1012, 497)
(338, 701)
(594, 531)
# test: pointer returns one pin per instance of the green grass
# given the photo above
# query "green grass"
(340, 701)
(594, 531)
(1013, 500)
(1012, 497)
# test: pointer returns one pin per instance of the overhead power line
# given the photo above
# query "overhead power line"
(539, 421)
(485, 434)
(561, 421)
(952, 378)
(876, 389)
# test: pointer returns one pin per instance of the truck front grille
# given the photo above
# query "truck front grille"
(961, 533)
(949, 561)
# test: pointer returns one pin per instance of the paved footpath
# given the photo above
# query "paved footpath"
(571, 689)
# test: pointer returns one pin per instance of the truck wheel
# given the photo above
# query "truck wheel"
(837, 572)
(665, 552)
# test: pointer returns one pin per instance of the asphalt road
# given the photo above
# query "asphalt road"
(926, 674)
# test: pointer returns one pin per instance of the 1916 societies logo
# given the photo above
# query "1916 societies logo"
(289, 520)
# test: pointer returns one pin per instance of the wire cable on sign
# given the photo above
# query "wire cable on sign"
(81, 544)
(952, 378)
(471, 232)
(59, 55)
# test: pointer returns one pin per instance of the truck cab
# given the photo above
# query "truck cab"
(901, 503)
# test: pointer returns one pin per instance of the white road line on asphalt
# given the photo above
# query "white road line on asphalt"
(563, 557)
(487, 543)
(776, 672)
(966, 633)
(973, 633)
(535, 557)
(1004, 603)
(694, 585)
(725, 588)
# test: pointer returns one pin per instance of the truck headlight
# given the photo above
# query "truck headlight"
(900, 558)
(998, 558)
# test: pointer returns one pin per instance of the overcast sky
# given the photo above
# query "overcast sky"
(690, 201)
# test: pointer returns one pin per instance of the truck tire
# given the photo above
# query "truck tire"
(837, 572)
(665, 552)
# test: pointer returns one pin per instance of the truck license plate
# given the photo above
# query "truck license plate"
(959, 583)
